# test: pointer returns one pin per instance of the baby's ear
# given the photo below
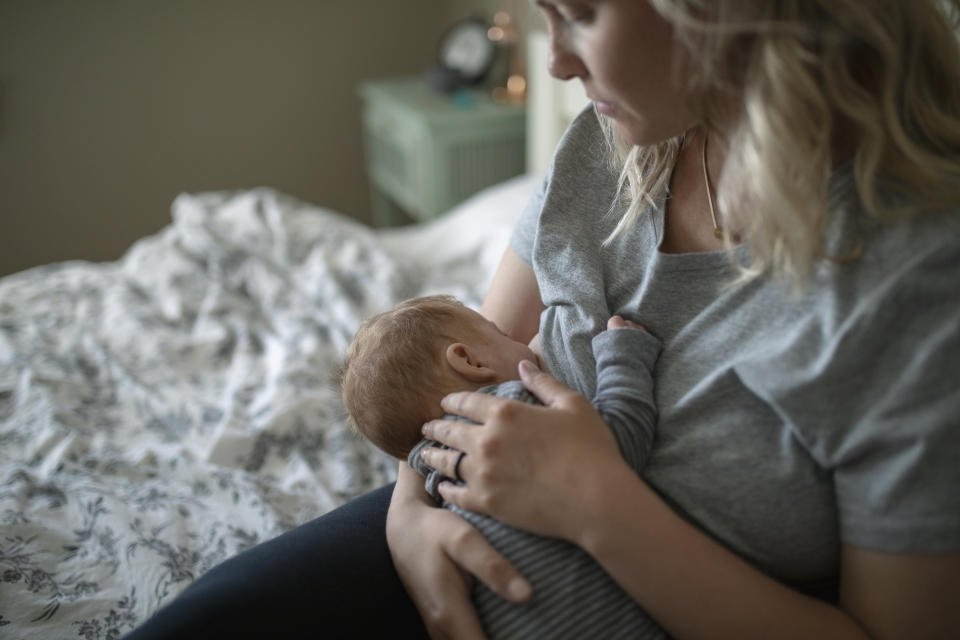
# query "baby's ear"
(466, 361)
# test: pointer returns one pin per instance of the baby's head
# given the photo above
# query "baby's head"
(403, 361)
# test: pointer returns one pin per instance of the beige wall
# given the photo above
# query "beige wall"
(110, 108)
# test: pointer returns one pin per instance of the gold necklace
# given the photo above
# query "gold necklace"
(717, 229)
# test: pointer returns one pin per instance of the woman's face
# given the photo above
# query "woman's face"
(623, 52)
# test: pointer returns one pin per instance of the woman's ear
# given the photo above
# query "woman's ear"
(465, 360)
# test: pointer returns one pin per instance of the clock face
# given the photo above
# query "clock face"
(467, 49)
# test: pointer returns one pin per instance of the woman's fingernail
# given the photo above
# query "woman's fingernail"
(446, 402)
(519, 589)
(528, 367)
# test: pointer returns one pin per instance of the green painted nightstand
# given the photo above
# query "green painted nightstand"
(426, 152)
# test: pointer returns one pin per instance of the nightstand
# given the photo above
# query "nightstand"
(426, 152)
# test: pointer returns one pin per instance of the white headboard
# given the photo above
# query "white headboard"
(551, 104)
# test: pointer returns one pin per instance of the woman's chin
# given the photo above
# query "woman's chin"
(643, 135)
(629, 131)
(630, 134)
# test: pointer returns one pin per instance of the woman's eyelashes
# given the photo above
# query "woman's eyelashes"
(566, 13)
(576, 14)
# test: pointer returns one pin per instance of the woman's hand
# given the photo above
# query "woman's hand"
(437, 553)
(534, 468)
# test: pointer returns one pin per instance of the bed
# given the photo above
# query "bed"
(165, 411)
(170, 409)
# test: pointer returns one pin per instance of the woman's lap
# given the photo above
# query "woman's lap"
(332, 576)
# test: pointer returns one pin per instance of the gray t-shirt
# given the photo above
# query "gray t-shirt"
(788, 424)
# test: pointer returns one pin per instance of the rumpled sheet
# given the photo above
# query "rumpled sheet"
(163, 412)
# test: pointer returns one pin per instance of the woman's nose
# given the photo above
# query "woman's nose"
(562, 63)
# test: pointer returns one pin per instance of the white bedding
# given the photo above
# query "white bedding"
(163, 412)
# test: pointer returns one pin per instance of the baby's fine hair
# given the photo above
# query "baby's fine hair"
(392, 379)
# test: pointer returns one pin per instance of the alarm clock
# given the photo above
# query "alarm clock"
(464, 57)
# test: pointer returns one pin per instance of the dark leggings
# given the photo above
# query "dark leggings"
(329, 578)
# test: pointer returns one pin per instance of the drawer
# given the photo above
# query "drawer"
(395, 147)
(425, 153)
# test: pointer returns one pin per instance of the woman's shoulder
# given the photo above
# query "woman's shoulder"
(880, 393)
(879, 322)
(584, 128)
(583, 148)
(885, 326)
(916, 257)
(576, 193)
(893, 284)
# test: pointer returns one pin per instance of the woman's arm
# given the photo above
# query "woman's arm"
(577, 487)
(436, 552)
(667, 564)
(902, 595)
(513, 301)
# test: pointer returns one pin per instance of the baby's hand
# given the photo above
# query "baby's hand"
(617, 322)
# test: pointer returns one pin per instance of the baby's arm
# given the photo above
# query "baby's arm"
(625, 355)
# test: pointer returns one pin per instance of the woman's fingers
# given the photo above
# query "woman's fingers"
(480, 407)
(449, 462)
(443, 599)
(471, 551)
(463, 497)
(548, 389)
(453, 433)
(453, 618)
(469, 404)
(419, 535)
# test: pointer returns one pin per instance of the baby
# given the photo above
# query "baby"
(399, 366)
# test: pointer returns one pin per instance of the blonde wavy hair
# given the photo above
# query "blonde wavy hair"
(878, 80)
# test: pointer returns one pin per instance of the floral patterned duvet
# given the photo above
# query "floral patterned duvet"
(163, 412)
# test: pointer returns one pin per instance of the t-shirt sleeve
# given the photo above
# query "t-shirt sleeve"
(895, 450)
(897, 471)
(525, 231)
(575, 151)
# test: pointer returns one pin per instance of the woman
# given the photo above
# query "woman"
(805, 480)
(802, 277)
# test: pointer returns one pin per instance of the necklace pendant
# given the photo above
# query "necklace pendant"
(718, 233)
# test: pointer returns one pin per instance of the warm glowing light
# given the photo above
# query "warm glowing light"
(501, 18)
(516, 85)
(495, 33)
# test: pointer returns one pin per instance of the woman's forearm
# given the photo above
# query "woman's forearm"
(690, 584)
(436, 552)
(410, 486)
